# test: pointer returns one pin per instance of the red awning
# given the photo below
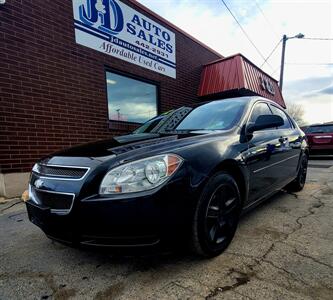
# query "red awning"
(236, 76)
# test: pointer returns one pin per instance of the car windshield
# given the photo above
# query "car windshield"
(320, 129)
(216, 115)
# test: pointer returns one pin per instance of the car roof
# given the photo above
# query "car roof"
(251, 100)
(256, 98)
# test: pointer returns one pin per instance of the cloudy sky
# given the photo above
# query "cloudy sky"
(308, 77)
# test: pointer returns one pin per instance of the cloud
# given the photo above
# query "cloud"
(305, 69)
(328, 90)
(310, 83)
(302, 89)
(210, 22)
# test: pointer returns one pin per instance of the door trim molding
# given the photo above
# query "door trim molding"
(276, 163)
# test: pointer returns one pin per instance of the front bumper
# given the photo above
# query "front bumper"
(145, 220)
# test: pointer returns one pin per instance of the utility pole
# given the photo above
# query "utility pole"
(284, 40)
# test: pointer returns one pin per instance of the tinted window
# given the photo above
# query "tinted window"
(282, 114)
(320, 129)
(129, 99)
(258, 110)
(216, 115)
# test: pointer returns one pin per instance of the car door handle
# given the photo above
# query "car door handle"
(283, 140)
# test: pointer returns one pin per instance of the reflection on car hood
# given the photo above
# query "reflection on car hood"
(131, 145)
(120, 145)
(105, 147)
(140, 144)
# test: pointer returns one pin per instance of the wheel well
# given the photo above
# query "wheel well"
(232, 168)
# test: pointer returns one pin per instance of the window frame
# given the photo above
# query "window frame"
(269, 104)
(134, 77)
(250, 114)
(252, 109)
(291, 125)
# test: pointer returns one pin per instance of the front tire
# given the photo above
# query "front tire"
(216, 216)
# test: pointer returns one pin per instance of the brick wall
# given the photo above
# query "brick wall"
(53, 91)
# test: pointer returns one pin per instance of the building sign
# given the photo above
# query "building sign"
(267, 86)
(118, 30)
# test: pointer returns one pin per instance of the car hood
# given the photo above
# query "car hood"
(105, 148)
(126, 146)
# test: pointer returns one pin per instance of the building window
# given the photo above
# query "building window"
(130, 100)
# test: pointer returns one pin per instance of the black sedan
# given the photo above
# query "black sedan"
(186, 175)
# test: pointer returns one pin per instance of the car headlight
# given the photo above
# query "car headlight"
(35, 168)
(140, 175)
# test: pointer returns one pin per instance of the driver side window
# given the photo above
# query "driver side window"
(279, 112)
(258, 110)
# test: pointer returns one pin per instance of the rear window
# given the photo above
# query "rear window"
(320, 129)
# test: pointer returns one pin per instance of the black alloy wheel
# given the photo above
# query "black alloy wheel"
(303, 170)
(216, 217)
(298, 184)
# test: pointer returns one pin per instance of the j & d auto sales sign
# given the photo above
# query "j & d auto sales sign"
(118, 30)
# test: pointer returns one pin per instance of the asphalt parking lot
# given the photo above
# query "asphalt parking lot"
(282, 250)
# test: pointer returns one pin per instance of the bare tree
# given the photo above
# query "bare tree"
(296, 111)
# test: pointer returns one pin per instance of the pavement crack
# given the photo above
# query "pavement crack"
(269, 250)
(310, 212)
(264, 258)
(241, 279)
(16, 215)
(312, 258)
(285, 271)
(298, 220)
(10, 206)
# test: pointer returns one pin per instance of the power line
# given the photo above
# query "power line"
(318, 39)
(247, 36)
(271, 53)
(309, 64)
(266, 19)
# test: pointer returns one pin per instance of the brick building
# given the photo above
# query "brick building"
(78, 71)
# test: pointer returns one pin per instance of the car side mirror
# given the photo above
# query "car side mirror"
(264, 122)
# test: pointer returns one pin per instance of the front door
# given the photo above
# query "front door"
(266, 150)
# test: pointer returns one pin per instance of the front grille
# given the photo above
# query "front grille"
(61, 171)
(61, 202)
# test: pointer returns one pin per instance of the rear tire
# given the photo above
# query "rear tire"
(298, 184)
(216, 216)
